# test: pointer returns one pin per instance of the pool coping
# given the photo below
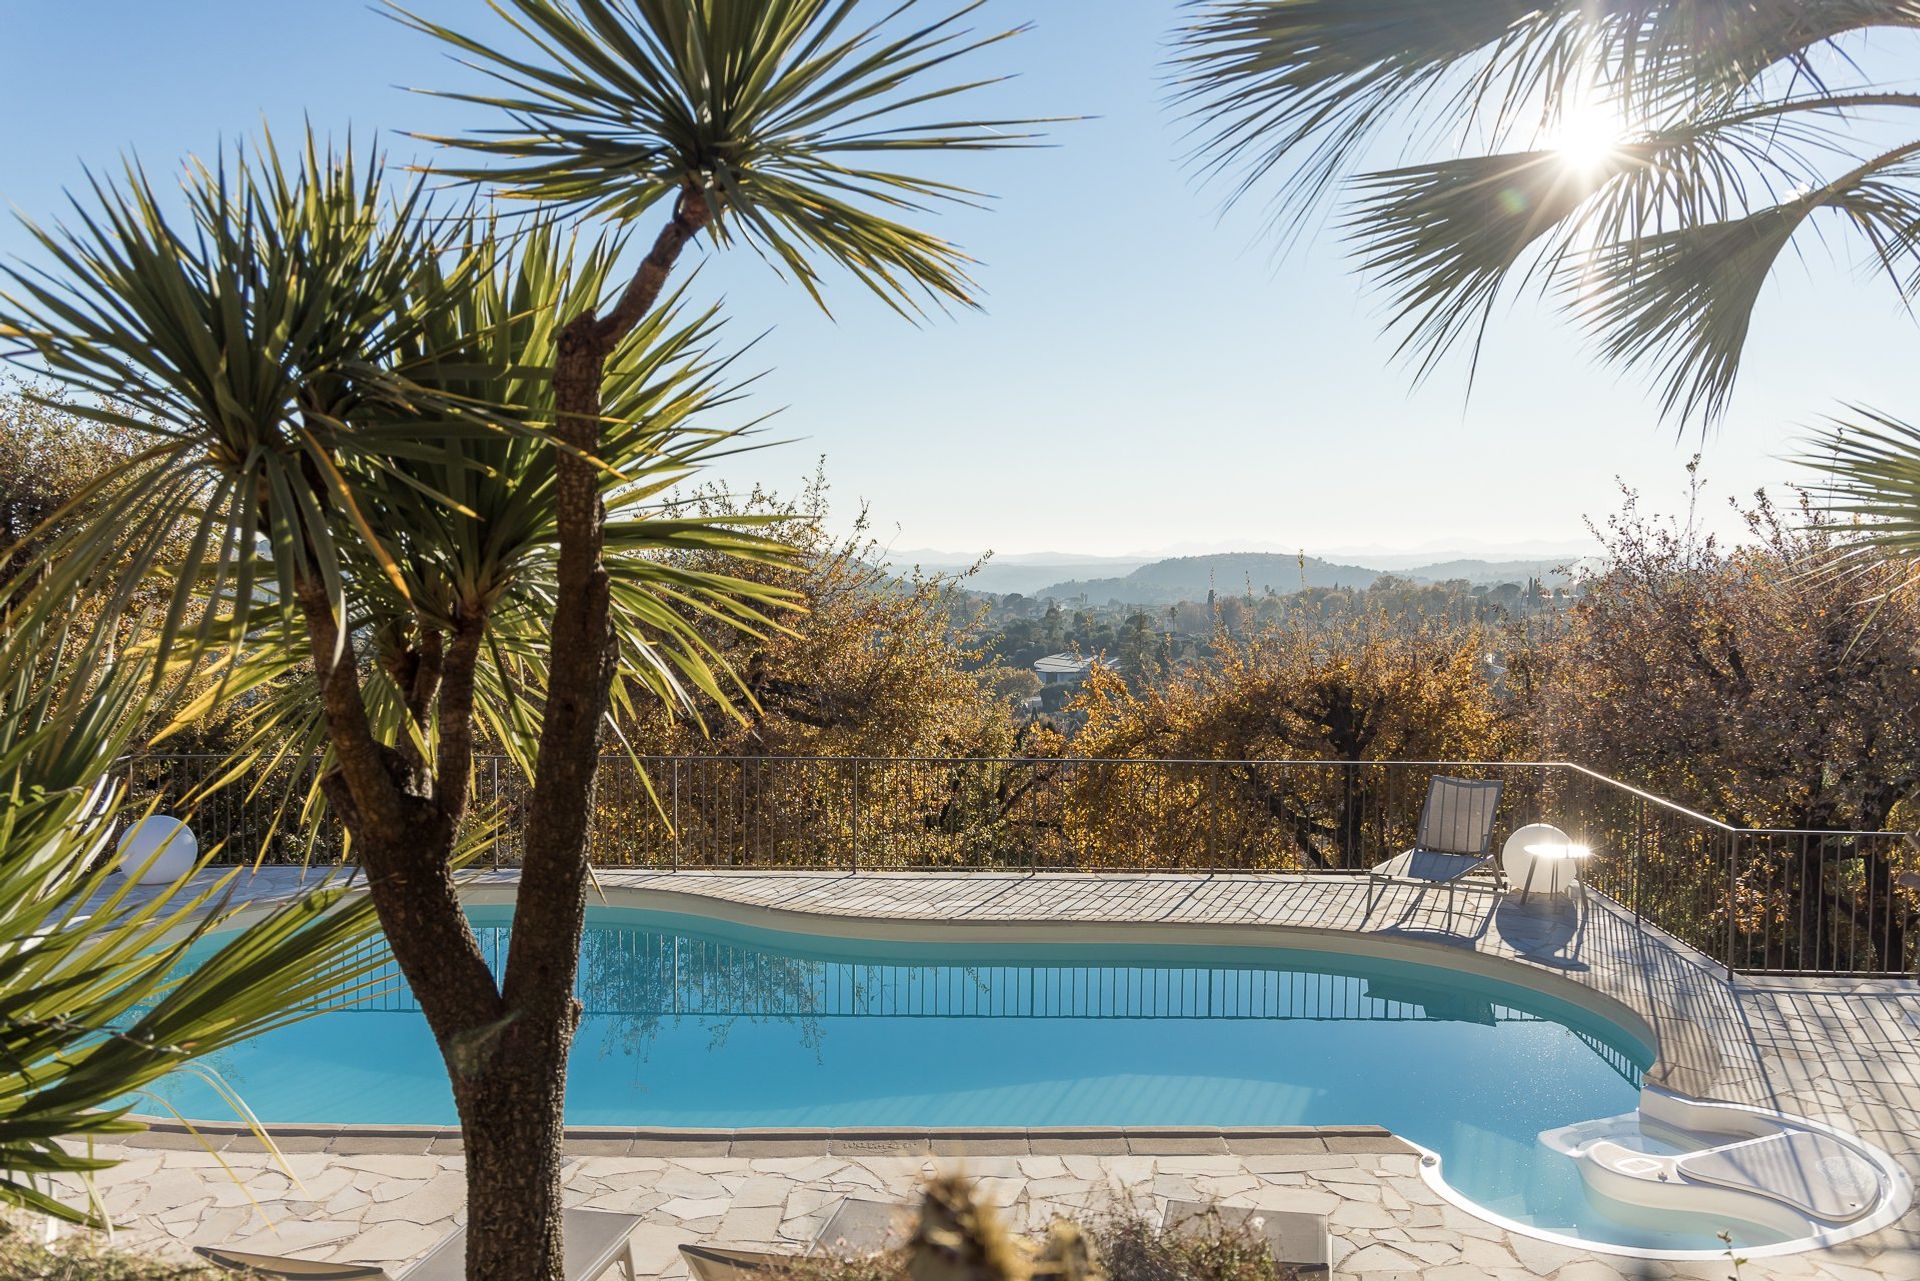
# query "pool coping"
(789, 1141)
(1042, 930)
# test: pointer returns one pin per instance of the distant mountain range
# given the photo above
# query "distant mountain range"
(1191, 577)
(1161, 581)
(1020, 572)
(1164, 582)
(1550, 570)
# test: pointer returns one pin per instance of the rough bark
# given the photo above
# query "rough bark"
(505, 1043)
(512, 1119)
(404, 842)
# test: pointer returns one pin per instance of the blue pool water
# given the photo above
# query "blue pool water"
(694, 1022)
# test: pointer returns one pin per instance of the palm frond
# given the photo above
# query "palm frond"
(1733, 131)
(1680, 303)
(774, 111)
(1870, 465)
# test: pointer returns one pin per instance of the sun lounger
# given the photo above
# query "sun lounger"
(1297, 1239)
(1454, 840)
(856, 1227)
(596, 1241)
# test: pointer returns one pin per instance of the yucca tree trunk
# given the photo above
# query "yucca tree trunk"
(512, 1115)
(506, 1056)
(505, 1041)
(511, 1112)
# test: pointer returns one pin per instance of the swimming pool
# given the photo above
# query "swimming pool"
(697, 1022)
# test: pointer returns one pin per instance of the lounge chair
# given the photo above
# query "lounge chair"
(857, 1227)
(1455, 838)
(1297, 1239)
(596, 1241)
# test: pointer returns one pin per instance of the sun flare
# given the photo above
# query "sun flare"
(1587, 135)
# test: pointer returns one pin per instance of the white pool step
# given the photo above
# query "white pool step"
(1814, 1173)
(1795, 1180)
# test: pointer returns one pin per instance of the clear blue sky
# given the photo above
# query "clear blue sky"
(1144, 376)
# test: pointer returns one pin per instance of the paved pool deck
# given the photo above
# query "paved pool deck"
(1843, 1052)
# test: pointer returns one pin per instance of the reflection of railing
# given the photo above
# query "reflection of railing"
(1763, 901)
(1614, 1057)
(645, 975)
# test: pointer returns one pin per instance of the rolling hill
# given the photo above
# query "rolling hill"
(1163, 582)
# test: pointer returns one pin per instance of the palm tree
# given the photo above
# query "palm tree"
(775, 122)
(1645, 163)
(402, 528)
(346, 408)
(96, 1001)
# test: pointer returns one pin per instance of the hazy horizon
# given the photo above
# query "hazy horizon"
(1442, 550)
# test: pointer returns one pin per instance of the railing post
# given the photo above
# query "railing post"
(1733, 877)
(856, 815)
(676, 814)
(1639, 852)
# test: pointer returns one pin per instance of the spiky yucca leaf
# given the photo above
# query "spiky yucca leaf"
(474, 524)
(92, 1007)
(248, 349)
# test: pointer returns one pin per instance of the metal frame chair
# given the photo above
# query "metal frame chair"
(1455, 839)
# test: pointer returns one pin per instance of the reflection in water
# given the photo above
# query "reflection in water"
(635, 977)
(631, 979)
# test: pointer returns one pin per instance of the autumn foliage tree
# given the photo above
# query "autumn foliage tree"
(877, 663)
(1363, 690)
(50, 460)
(1757, 682)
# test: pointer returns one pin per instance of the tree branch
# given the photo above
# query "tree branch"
(691, 213)
(451, 787)
(362, 758)
(426, 676)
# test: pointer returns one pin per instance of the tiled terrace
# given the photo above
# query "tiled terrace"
(1844, 1052)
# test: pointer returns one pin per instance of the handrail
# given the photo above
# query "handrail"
(1630, 789)
(1774, 900)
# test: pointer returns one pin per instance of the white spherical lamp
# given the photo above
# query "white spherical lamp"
(1552, 875)
(158, 849)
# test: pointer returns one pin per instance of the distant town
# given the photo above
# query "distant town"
(1161, 616)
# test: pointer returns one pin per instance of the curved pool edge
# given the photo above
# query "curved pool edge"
(1454, 952)
(1893, 1207)
(486, 891)
(952, 1143)
(1066, 929)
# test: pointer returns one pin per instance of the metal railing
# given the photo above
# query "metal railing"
(1773, 901)
(639, 977)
